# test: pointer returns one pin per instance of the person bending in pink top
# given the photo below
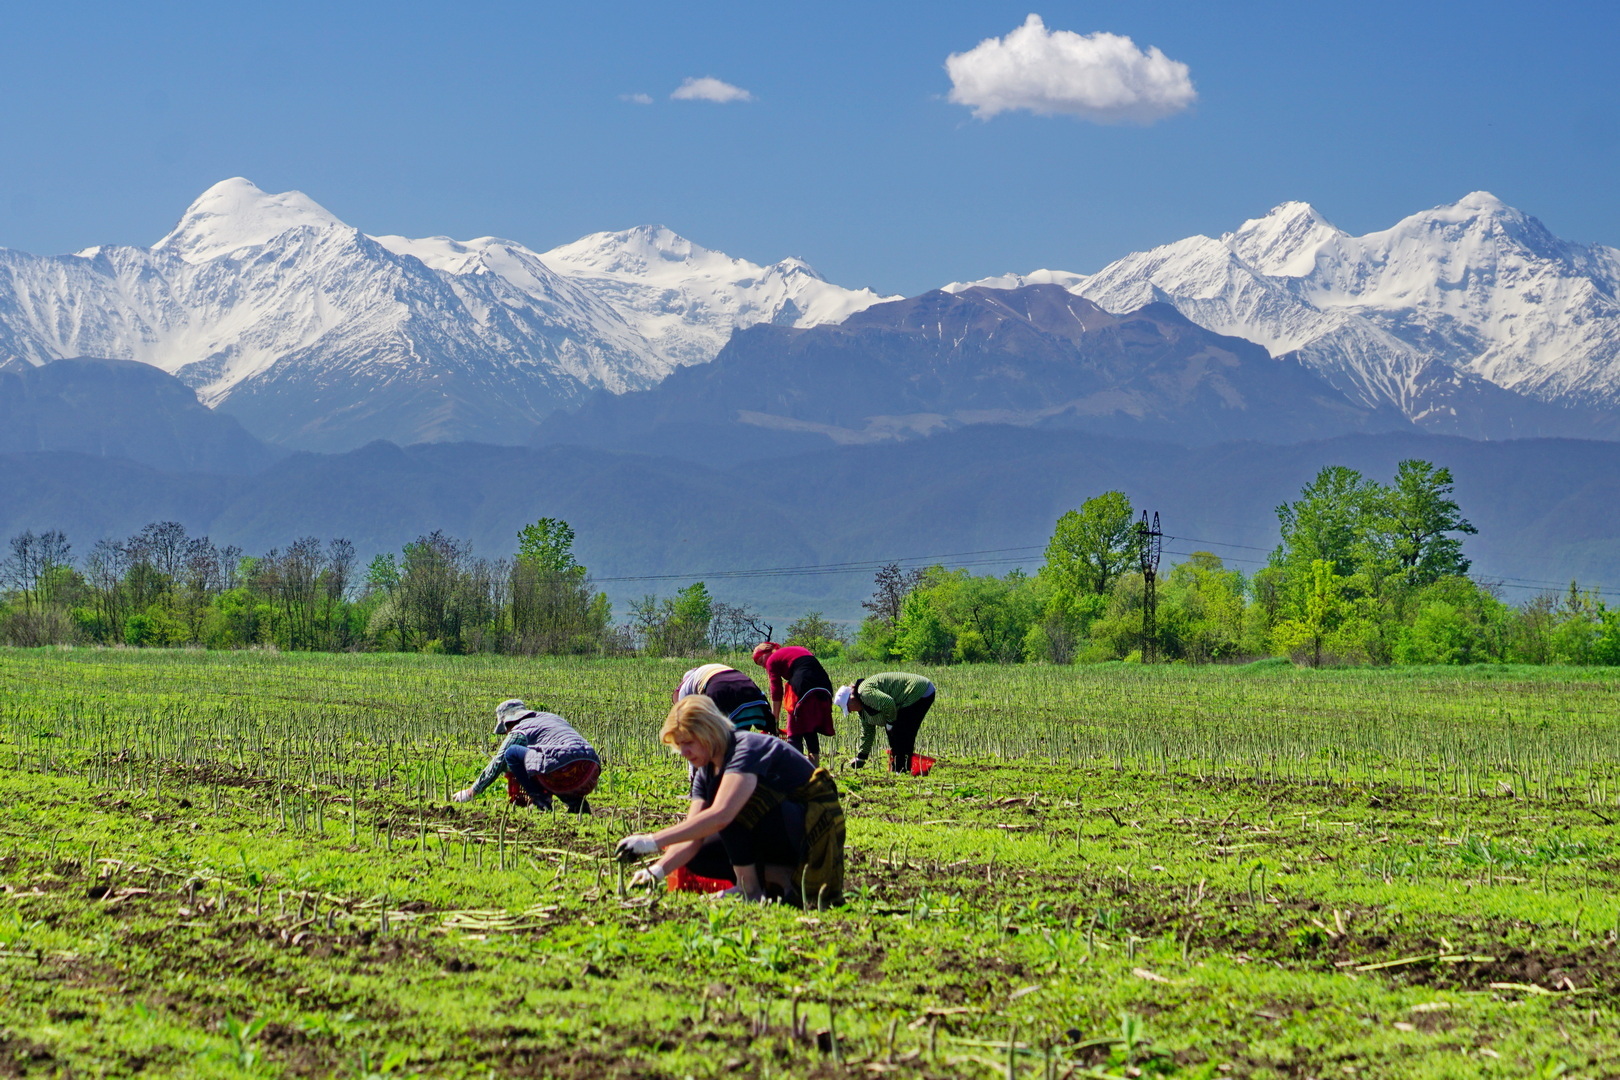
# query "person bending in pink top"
(800, 684)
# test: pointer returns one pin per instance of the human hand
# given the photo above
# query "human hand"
(635, 847)
(857, 762)
(464, 795)
(650, 876)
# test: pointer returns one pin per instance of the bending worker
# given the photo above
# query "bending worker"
(798, 676)
(544, 754)
(738, 697)
(895, 701)
(761, 815)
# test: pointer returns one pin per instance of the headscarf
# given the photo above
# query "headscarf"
(762, 651)
(695, 680)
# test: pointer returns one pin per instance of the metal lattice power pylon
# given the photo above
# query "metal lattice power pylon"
(1149, 544)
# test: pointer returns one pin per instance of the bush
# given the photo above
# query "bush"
(970, 648)
(820, 635)
(1439, 635)
(921, 635)
(42, 626)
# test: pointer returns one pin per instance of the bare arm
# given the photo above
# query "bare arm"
(776, 692)
(700, 824)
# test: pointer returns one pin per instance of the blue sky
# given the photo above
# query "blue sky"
(511, 119)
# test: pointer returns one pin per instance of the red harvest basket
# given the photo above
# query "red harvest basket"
(683, 880)
(920, 763)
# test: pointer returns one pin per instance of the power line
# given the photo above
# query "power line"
(1217, 543)
(813, 569)
(871, 566)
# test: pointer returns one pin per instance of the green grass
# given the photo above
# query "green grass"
(244, 864)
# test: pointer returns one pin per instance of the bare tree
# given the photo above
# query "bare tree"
(165, 545)
(32, 563)
(735, 626)
(891, 587)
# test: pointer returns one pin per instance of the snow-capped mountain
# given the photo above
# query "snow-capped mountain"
(1452, 305)
(321, 337)
(686, 299)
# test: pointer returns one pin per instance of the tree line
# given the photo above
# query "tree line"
(162, 587)
(1365, 573)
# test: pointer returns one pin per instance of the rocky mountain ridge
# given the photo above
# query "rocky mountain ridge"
(1036, 356)
(1470, 319)
(320, 337)
(1446, 309)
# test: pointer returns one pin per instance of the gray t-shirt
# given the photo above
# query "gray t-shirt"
(778, 766)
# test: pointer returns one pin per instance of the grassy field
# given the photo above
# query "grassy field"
(245, 865)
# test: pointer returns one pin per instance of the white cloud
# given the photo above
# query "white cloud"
(636, 99)
(709, 88)
(1100, 77)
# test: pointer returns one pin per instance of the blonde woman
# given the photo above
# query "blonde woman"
(760, 815)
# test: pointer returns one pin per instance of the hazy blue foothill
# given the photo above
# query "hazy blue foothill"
(122, 409)
(1545, 508)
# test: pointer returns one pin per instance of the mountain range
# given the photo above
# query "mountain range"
(1459, 316)
(317, 336)
(1469, 319)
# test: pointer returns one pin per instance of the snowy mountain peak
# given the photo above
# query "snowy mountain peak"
(1484, 202)
(792, 266)
(1472, 290)
(1068, 280)
(644, 251)
(687, 299)
(1285, 242)
(1479, 213)
(235, 214)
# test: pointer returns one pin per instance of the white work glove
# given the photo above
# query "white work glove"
(464, 795)
(636, 847)
(857, 762)
(648, 875)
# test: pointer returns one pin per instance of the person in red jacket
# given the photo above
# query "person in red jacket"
(800, 684)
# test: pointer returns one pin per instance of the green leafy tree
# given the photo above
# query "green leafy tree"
(1323, 610)
(1439, 635)
(1063, 625)
(1606, 646)
(554, 609)
(890, 587)
(382, 573)
(695, 607)
(1201, 613)
(1329, 521)
(818, 634)
(1414, 522)
(1092, 546)
(920, 634)
(676, 626)
(548, 546)
(447, 598)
